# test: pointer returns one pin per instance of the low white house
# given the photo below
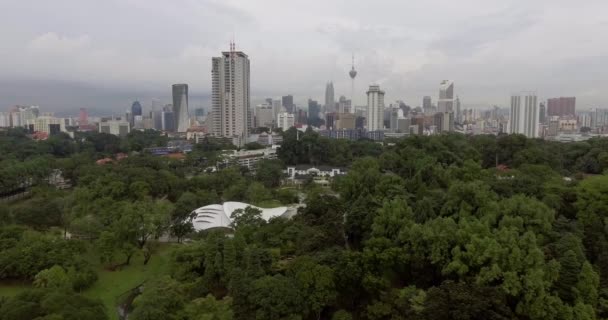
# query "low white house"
(295, 172)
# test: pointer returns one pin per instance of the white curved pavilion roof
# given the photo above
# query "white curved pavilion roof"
(218, 215)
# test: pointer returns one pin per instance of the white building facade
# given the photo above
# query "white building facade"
(264, 115)
(230, 97)
(285, 121)
(446, 96)
(375, 108)
(116, 127)
(524, 115)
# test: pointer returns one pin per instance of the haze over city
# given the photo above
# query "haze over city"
(64, 54)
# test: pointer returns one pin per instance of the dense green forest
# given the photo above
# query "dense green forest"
(425, 227)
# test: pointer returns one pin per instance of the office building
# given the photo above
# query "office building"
(524, 115)
(46, 124)
(301, 117)
(346, 121)
(230, 96)
(375, 108)
(359, 122)
(330, 101)
(287, 102)
(443, 121)
(180, 107)
(330, 120)
(168, 119)
(285, 121)
(458, 111)
(426, 103)
(542, 113)
(277, 107)
(136, 110)
(446, 96)
(344, 105)
(561, 107)
(116, 127)
(314, 111)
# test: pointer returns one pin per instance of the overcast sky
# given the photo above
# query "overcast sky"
(66, 54)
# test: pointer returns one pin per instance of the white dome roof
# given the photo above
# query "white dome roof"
(218, 215)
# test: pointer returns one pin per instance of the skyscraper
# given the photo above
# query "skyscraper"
(168, 118)
(563, 106)
(542, 113)
(524, 115)
(330, 101)
(375, 108)
(287, 102)
(314, 111)
(136, 109)
(446, 96)
(458, 111)
(426, 102)
(230, 98)
(180, 107)
(83, 117)
(344, 105)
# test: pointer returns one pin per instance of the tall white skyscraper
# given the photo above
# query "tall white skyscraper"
(524, 115)
(330, 100)
(375, 108)
(180, 107)
(230, 98)
(446, 96)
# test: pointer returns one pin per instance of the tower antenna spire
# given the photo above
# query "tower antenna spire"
(352, 73)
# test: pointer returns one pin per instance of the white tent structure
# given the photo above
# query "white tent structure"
(218, 215)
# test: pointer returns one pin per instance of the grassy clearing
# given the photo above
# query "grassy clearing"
(111, 284)
(268, 204)
(9, 289)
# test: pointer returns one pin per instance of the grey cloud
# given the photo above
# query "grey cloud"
(137, 48)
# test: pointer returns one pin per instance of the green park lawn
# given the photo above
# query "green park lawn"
(111, 284)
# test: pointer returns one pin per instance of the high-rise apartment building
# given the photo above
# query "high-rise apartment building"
(446, 96)
(599, 118)
(330, 100)
(561, 107)
(230, 96)
(375, 108)
(264, 116)
(180, 107)
(5, 119)
(524, 115)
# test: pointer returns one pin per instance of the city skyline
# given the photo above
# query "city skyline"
(475, 46)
